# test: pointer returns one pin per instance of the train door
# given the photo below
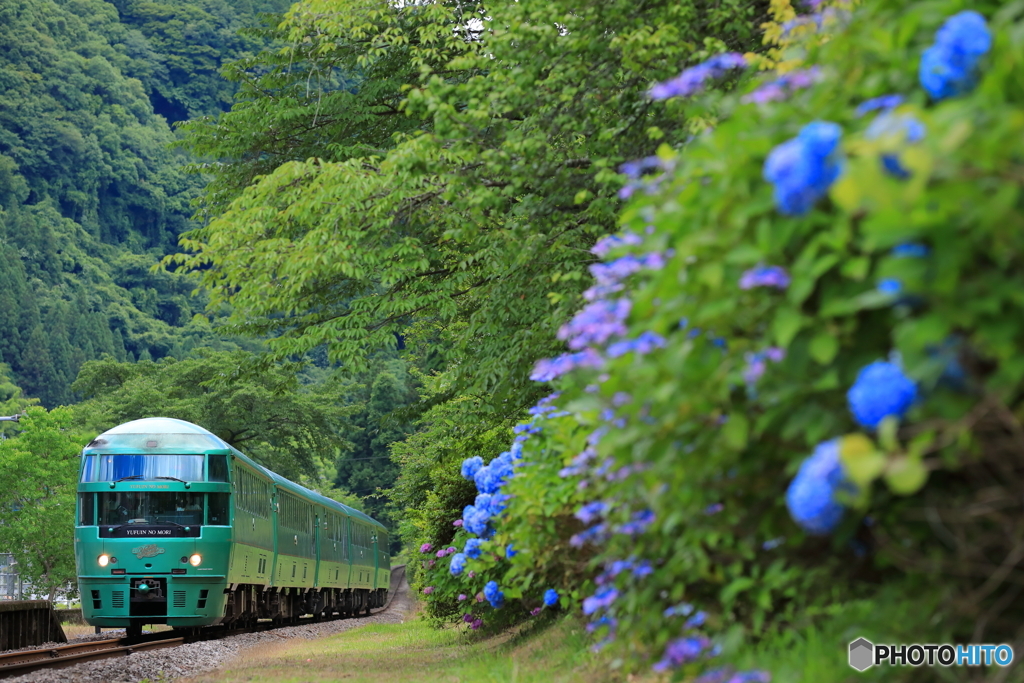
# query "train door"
(316, 550)
(376, 560)
(275, 509)
(350, 554)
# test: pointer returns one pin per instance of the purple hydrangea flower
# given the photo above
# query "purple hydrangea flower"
(594, 534)
(713, 509)
(802, 169)
(535, 611)
(811, 497)
(550, 597)
(765, 276)
(606, 244)
(881, 389)
(950, 66)
(426, 548)
(643, 344)
(783, 86)
(462, 596)
(548, 369)
(602, 599)
(458, 564)
(591, 511)
(428, 590)
(682, 651)
(643, 568)
(596, 323)
(692, 80)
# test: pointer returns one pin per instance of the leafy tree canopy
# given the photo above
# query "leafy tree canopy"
(479, 214)
(284, 426)
(38, 473)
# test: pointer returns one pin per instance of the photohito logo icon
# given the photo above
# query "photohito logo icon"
(862, 654)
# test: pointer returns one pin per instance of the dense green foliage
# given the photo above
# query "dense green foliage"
(90, 194)
(470, 215)
(693, 451)
(38, 473)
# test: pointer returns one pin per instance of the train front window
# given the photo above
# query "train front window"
(151, 507)
(143, 467)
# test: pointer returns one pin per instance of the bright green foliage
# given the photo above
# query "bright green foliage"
(38, 472)
(282, 425)
(696, 434)
(481, 223)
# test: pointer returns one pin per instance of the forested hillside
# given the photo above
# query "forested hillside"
(91, 195)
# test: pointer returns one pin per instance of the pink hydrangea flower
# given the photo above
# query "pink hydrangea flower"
(426, 548)
(457, 522)
(479, 597)
(462, 596)
(428, 590)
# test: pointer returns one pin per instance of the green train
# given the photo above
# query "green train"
(175, 526)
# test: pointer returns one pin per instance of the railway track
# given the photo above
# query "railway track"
(27, 661)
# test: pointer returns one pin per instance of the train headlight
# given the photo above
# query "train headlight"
(103, 560)
(195, 560)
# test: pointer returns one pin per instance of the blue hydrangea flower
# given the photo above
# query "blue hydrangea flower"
(509, 552)
(884, 103)
(950, 66)
(881, 389)
(472, 548)
(763, 276)
(493, 595)
(550, 597)
(890, 286)
(811, 495)
(458, 564)
(470, 466)
(802, 169)
(909, 250)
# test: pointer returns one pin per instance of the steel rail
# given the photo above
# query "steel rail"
(27, 661)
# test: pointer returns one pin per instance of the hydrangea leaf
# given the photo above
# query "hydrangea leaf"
(861, 460)
(905, 476)
(787, 323)
(736, 431)
(824, 347)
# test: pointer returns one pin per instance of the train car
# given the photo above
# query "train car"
(175, 526)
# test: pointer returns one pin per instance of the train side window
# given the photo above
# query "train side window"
(218, 509)
(87, 509)
(218, 467)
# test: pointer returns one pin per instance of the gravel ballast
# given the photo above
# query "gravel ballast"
(201, 657)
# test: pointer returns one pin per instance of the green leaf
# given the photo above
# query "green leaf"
(861, 460)
(905, 476)
(787, 323)
(736, 431)
(824, 347)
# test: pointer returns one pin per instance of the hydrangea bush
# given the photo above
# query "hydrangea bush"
(809, 328)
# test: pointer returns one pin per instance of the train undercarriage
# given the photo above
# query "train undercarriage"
(247, 603)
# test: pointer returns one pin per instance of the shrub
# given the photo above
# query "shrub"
(832, 269)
